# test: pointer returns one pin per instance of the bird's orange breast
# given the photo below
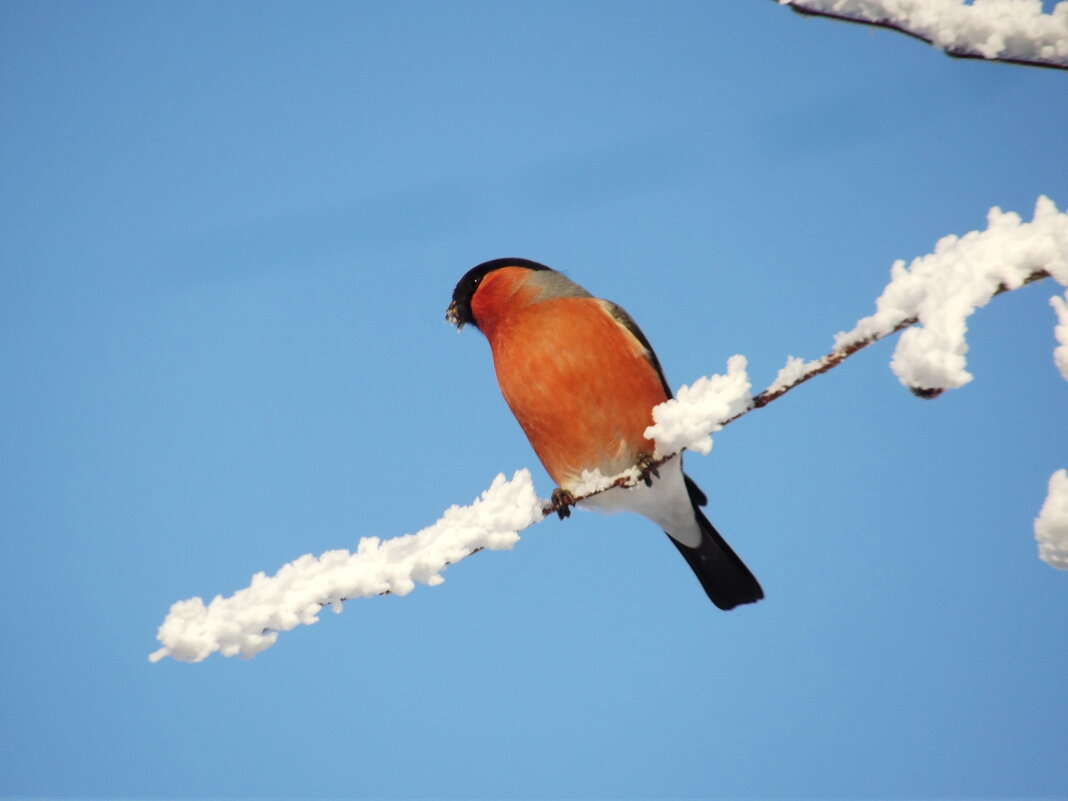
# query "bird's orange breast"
(579, 384)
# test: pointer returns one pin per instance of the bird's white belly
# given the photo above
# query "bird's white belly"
(666, 503)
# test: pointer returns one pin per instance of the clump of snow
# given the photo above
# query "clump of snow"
(1060, 331)
(248, 621)
(594, 481)
(944, 288)
(701, 409)
(1051, 525)
(794, 370)
(1006, 29)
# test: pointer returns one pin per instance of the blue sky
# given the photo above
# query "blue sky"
(229, 235)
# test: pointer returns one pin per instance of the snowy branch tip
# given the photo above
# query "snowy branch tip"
(248, 621)
(1015, 31)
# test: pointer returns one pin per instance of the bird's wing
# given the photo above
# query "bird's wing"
(624, 321)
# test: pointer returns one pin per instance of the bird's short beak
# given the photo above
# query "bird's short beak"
(452, 315)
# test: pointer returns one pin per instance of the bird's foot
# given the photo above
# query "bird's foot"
(647, 468)
(562, 501)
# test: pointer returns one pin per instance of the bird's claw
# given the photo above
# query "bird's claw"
(647, 468)
(562, 501)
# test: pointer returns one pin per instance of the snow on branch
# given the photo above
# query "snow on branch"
(248, 621)
(1010, 31)
(932, 297)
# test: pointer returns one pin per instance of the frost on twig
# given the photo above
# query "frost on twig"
(1010, 31)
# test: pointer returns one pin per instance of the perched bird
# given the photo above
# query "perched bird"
(582, 379)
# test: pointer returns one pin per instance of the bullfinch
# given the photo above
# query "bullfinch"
(582, 380)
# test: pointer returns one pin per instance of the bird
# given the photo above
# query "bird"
(581, 379)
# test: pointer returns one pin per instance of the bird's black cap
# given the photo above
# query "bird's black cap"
(459, 311)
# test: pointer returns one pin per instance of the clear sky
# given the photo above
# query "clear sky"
(229, 234)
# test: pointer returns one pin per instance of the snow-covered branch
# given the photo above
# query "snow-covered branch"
(1010, 31)
(932, 297)
(248, 621)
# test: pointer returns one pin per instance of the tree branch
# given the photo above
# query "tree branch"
(838, 355)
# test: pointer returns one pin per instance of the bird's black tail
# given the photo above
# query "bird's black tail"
(727, 581)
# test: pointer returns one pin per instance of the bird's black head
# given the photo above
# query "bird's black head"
(459, 311)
